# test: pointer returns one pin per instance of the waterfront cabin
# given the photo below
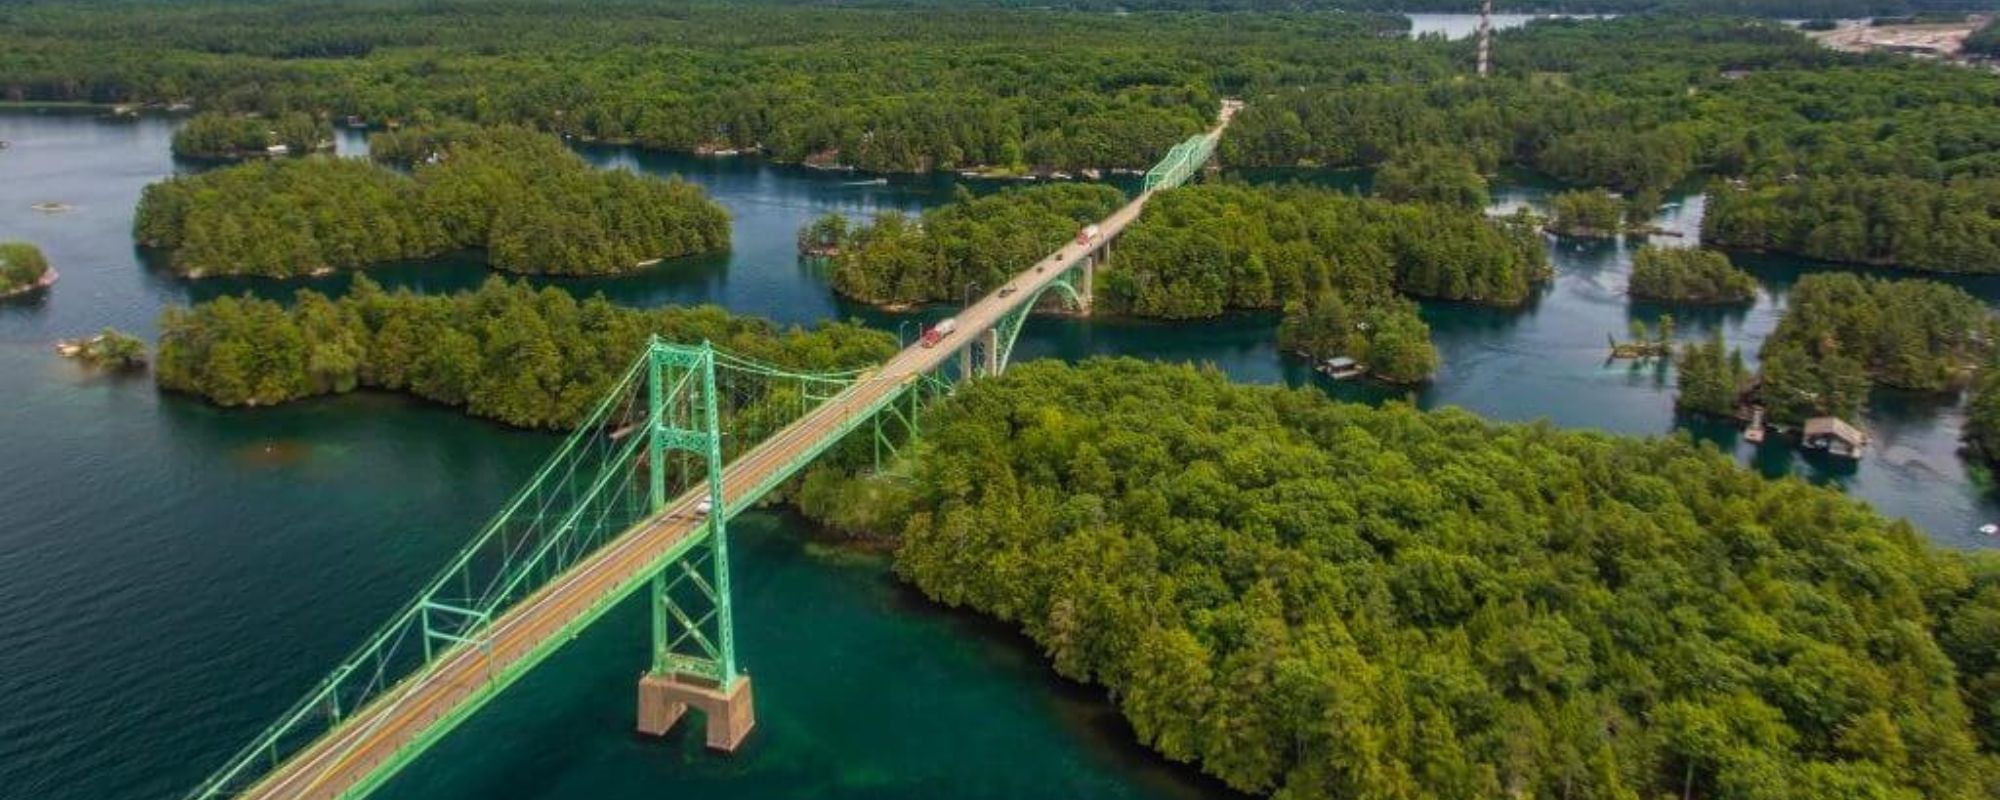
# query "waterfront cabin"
(1342, 368)
(1834, 437)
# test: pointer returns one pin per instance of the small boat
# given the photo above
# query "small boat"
(1990, 529)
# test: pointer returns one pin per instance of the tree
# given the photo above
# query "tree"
(1432, 175)
(1683, 275)
(22, 266)
(1711, 377)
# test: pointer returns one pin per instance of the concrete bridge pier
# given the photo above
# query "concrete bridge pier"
(1087, 298)
(664, 699)
(992, 355)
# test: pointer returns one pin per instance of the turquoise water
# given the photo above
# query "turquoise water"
(172, 575)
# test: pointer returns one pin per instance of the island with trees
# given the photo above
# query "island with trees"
(1432, 175)
(507, 352)
(1203, 249)
(1336, 265)
(216, 135)
(530, 203)
(23, 269)
(1309, 598)
(1842, 334)
(1586, 213)
(971, 243)
(1688, 275)
(1710, 377)
(110, 349)
(1948, 226)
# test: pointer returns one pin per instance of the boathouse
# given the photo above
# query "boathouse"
(1835, 437)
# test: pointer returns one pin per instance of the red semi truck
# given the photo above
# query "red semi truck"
(939, 331)
(1087, 235)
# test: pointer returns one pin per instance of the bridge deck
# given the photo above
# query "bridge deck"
(353, 755)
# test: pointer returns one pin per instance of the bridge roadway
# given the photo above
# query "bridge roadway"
(348, 756)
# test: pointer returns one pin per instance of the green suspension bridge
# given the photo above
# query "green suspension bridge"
(637, 499)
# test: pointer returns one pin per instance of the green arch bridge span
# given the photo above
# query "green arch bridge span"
(637, 499)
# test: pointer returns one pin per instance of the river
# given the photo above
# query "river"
(172, 575)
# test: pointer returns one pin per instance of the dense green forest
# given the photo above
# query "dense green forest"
(1432, 175)
(1641, 103)
(528, 358)
(1325, 600)
(216, 135)
(1842, 333)
(879, 89)
(1687, 275)
(1709, 376)
(968, 246)
(1952, 226)
(1201, 250)
(21, 266)
(1822, 143)
(530, 203)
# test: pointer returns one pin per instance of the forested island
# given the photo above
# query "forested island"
(1842, 334)
(227, 136)
(527, 358)
(1432, 175)
(529, 202)
(1948, 226)
(1203, 249)
(1338, 266)
(110, 349)
(1710, 377)
(1310, 598)
(23, 269)
(1687, 275)
(1587, 213)
(953, 249)
(1333, 262)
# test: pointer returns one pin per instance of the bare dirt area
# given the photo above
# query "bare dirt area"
(1933, 40)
